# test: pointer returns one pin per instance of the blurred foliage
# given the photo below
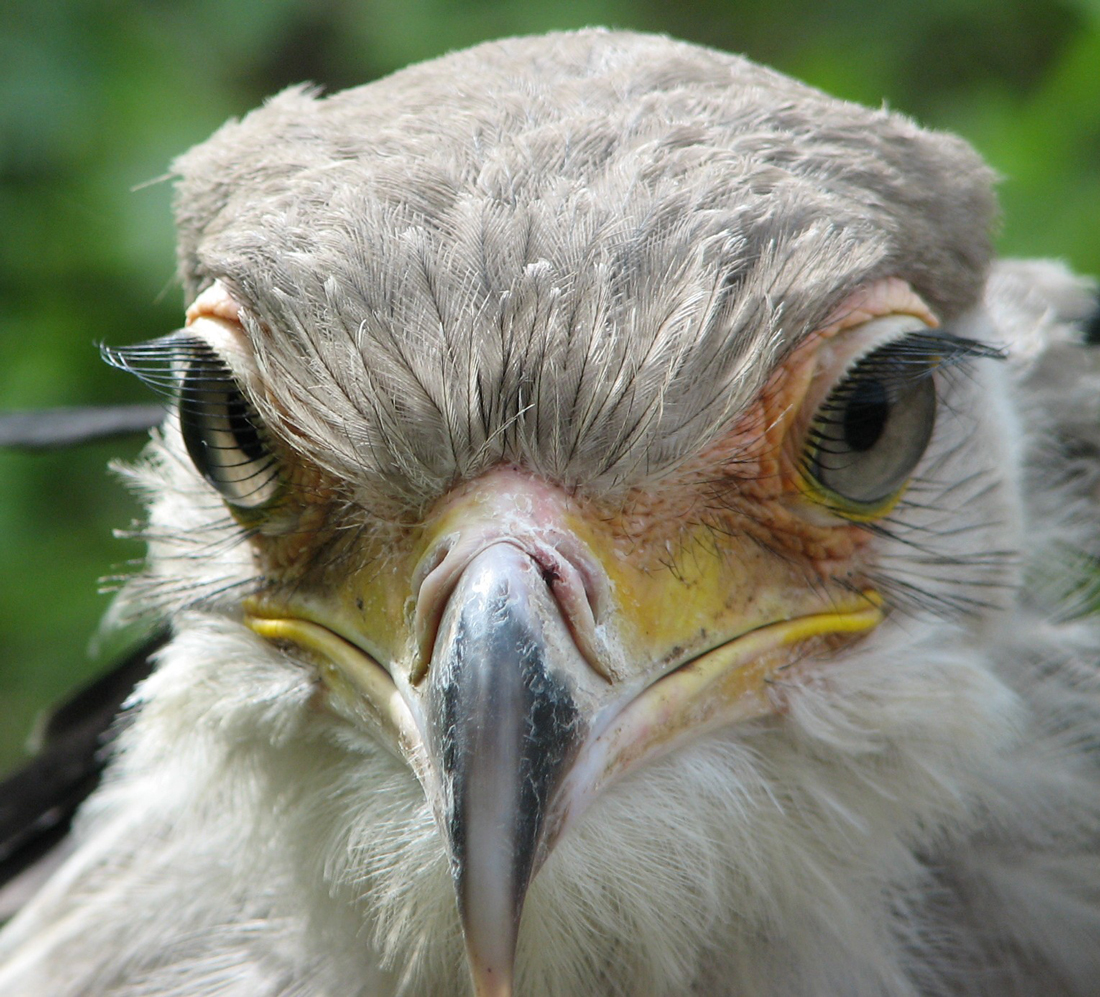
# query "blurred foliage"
(97, 96)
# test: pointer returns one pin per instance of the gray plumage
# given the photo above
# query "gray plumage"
(584, 256)
(443, 236)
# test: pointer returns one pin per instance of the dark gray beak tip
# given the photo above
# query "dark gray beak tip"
(504, 727)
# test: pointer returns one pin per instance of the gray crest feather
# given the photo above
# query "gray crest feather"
(584, 257)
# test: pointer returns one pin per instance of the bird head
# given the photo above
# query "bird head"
(590, 426)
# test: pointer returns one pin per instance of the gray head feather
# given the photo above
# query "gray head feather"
(581, 252)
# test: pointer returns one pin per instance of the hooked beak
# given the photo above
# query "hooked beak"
(503, 725)
(536, 666)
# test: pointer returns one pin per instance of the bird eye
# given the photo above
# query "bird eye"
(871, 431)
(224, 434)
(221, 429)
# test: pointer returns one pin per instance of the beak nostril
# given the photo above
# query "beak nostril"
(575, 583)
(591, 578)
(435, 558)
(432, 584)
(596, 593)
(518, 511)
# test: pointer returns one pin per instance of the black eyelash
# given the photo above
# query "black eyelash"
(895, 366)
(158, 363)
(187, 370)
(899, 363)
(171, 366)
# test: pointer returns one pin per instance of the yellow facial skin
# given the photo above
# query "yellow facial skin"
(697, 594)
(686, 602)
(667, 653)
(672, 647)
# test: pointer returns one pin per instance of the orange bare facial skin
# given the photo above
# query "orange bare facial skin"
(747, 482)
(729, 538)
(305, 528)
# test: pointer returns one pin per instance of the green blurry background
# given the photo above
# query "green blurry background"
(97, 97)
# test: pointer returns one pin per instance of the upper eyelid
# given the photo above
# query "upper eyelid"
(917, 347)
(160, 363)
(920, 344)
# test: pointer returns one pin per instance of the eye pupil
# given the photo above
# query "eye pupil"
(866, 415)
(223, 433)
(244, 432)
(871, 431)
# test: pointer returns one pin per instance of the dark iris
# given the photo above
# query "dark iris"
(224, 436)
(244, 431)
(866, 415)
(872, 429)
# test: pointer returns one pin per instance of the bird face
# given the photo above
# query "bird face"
(598, 452)
(522, 645)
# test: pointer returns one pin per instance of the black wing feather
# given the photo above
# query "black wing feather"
(1092, 326)
(38, 801)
